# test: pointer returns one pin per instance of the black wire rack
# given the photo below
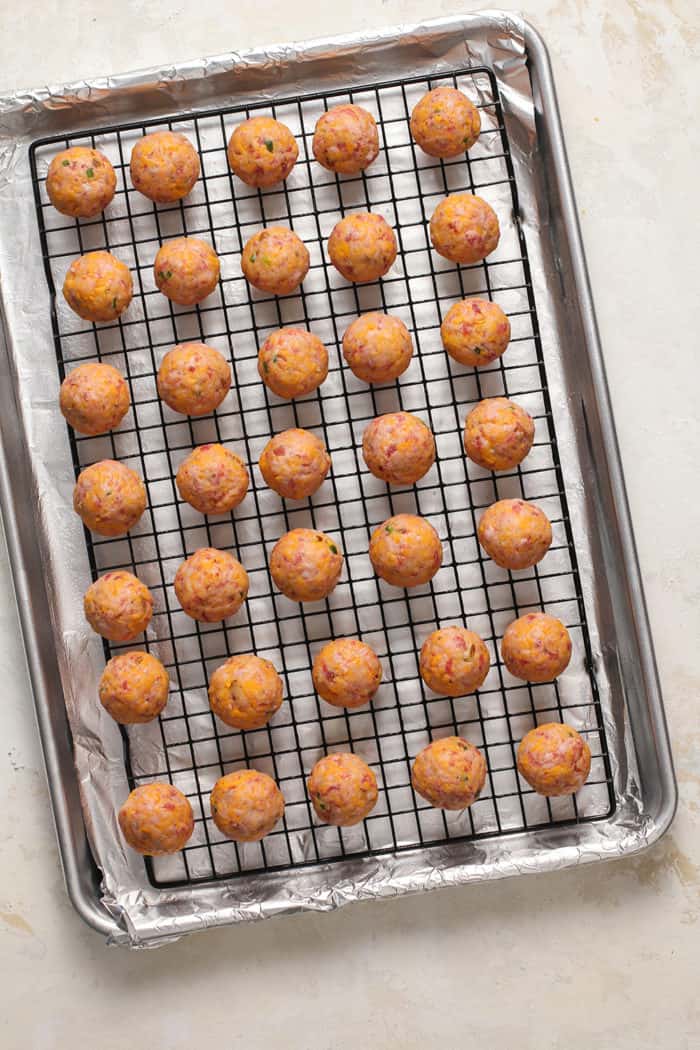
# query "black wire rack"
(187, 745)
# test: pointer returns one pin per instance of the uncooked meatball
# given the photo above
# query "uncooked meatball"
(398, 448)
(118, 606)
(246, 805)
(475, 332)
(134, 688)
(275, 260)
(80, 182)
(164, 166)
(515, 534)
(454, 661)
(212, 479)
(377, 347)
(405, 551)
(498, 434)
(186, 270)
(536, 647)
(294, 463)
(346, 139)
(449, 773)
(109, 497)
(194, 379)
(306, 565)
(211, 585)
(445, 123)
(343, 789)
(464, 228)
(98, 287)
(554, 759)
(362, 247)
(346, 673)
(94, 398)
(262, 151)
(245, 692)
(156, 819)
(292, 362)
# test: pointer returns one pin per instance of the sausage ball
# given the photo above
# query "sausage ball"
(164, 166)
(94, 398)
(211, 585)
(449, 773)
(346, 673)
(156, 819)
(212, 479)
(275, 260)
(536, 647)
(109, 497)
(515, 534)
(118, 606)
(454, 661)
(445, 123)
(475, 332)
(498, 434)
(306, 565)
(362, 247)
(398, 448)
(98, 287)
(294, 463)
(554, 759)
(194, 379)
(377, 347)
(262, 151)
(343, 789)
(134, 688)
(346, 139)
(186, 270)
(246, 805)
(464, 228)
(292, 362)
(405, 551)
(80, 182)
(245, 692)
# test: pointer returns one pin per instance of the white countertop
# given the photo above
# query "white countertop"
(603, 957)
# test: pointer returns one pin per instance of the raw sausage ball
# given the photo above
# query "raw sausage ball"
(245, 692)
(134, 688)
(464, 228)
(94, 398)
(475, 332)
(362, 247)
(554, 759)
(262, 151)
(186, 270)
(80, 182)
(275, 260)
(194, 379)
(164, 166)
(109, 497)
(212, 479)
(118, 606)
(156, 819)
(294, 463)
(292, 362)
(405, 551)
(343, 789)
(536, 647)
(515, 534)
(449, 773)
(498, 434)
(211, 585)
(246, 805)
(98, 287)
(454, 661)
(346, 673)
(306, 565)
(346, 139)
(377, 347)
(445, 123)
(398, 448)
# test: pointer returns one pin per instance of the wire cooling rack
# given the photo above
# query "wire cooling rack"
(186, 745)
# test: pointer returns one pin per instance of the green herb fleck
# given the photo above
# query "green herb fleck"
(252, 258)
(478, 349)
(114, 303)
(332, 547)
(388, 528)
(266, 260)
(321, 804)
(274, 359)
(269, 146)
(465, 140)
(165, 274)
(90, 173)
(66, 163)
(266, 367)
